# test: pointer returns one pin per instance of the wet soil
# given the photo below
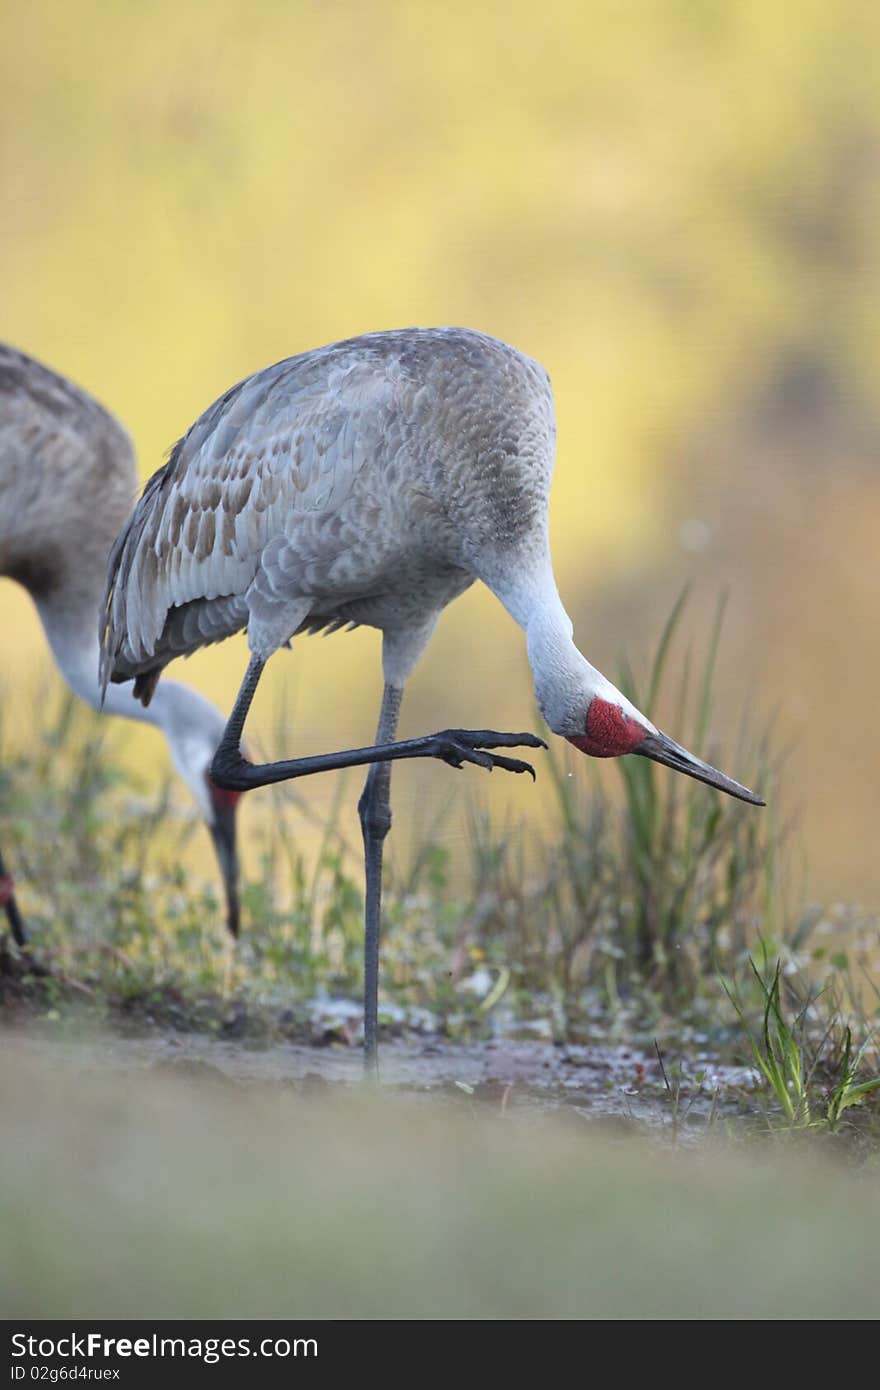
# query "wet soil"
(619, 1084)
(229, 1042)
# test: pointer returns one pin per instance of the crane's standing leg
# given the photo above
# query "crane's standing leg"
(10, 906)
(452, 746)
(374, 810)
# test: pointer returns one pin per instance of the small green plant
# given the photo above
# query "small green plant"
(776, 1050)
(779, 1050)
(850, 1089)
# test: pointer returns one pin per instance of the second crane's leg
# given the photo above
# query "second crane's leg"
(10, 906)
(374, 809)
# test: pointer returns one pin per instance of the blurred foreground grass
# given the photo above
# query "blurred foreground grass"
(180, 1198)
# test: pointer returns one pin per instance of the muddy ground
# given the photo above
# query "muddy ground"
(229, 1041)
(619, 1084)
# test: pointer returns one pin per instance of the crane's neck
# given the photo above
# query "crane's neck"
(565, 682)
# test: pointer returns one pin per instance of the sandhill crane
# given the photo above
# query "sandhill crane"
(367, 482)
(67, 482)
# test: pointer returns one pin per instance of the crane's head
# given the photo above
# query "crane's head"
(579, 703)
(612, 726)
(193, 732)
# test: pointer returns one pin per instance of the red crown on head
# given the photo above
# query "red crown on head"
(608, 732)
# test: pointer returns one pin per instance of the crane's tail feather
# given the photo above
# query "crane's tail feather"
(120, 623)
(145, 685)
(187, 628)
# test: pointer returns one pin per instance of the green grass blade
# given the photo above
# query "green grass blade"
(662, 652)
(704, 704)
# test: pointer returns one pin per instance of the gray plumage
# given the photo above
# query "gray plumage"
(362, 483)
(62, 456)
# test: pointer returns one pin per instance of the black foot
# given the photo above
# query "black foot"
(459, 746)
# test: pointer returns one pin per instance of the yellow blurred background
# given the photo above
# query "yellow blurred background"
(674, 206)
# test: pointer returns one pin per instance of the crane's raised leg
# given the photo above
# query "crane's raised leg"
(10, 906)
(374, 810)
(452, 746)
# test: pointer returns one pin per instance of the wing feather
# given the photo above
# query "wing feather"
(283, 445)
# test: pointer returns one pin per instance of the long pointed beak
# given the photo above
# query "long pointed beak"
(662, 749)
(224, 836)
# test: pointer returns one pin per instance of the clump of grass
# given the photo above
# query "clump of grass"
(776, 1050)
(851, 1087)
(814, 1080)
(702, 865)
(640, 896)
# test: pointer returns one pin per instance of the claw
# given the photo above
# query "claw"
(533, 741)
(514, 765)
(456, 752)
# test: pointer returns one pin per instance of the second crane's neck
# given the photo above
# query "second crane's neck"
(72, 634)
(191, 725)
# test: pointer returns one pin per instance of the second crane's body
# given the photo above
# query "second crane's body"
(67, 482)
(369, 482)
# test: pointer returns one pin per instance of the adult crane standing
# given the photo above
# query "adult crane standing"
(67, 482)
(368, 482)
